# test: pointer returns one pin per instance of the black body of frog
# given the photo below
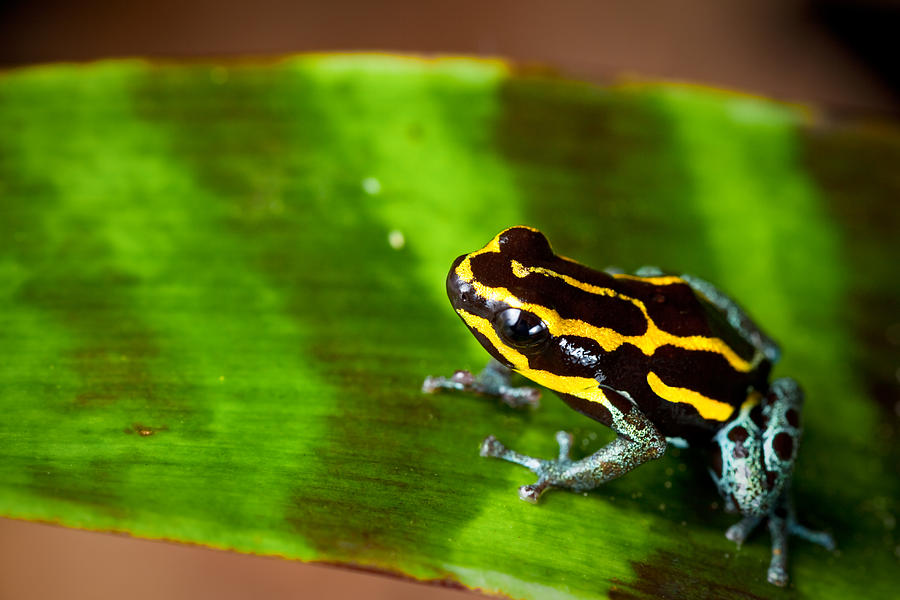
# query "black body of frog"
(658, 358)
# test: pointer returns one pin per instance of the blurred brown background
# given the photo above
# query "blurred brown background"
(842, 55)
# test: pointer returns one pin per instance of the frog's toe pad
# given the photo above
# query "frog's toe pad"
(824, 539)
(734, 534)
(460, 381)
(532, 493)
(777, 576)
(431, 384)
(491, 446)
(462, 377)
(740, 531)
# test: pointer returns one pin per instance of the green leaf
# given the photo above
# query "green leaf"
(206, 335)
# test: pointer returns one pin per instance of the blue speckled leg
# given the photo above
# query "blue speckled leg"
(492, 381)
(752, 467)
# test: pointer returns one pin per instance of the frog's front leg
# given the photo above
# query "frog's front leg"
(638, 442)
(752, 463)
(493, 380)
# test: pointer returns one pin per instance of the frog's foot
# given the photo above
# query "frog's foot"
(740, 531)
(550, 472)
(492, 381)
(781, 526)
(638, 441)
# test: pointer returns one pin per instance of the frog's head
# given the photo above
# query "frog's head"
(506, 296)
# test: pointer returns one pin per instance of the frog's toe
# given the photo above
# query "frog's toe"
(550, 472)
(741, 530)
(532, 492)
(820, 538)
(460, 381)
(777, 574)
(492, 447)
(564, 439)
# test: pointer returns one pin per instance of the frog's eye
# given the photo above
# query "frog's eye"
(522, 330)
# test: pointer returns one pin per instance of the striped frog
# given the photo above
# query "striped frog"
(661, 359)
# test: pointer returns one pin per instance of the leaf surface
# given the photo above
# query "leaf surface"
(206, 336)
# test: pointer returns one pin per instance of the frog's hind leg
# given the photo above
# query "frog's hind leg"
(492, 381)
(736, 317)
(645, 271)
(752, 464)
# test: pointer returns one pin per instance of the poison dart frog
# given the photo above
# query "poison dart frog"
(660, 359)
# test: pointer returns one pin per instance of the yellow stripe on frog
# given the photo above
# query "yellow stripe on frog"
(609, 339)
(707, 407)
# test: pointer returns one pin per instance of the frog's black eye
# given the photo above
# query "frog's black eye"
(522, 330)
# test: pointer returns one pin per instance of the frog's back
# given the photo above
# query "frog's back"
(701, 367)
(668, 348)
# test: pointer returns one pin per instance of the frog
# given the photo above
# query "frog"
(661, 359)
